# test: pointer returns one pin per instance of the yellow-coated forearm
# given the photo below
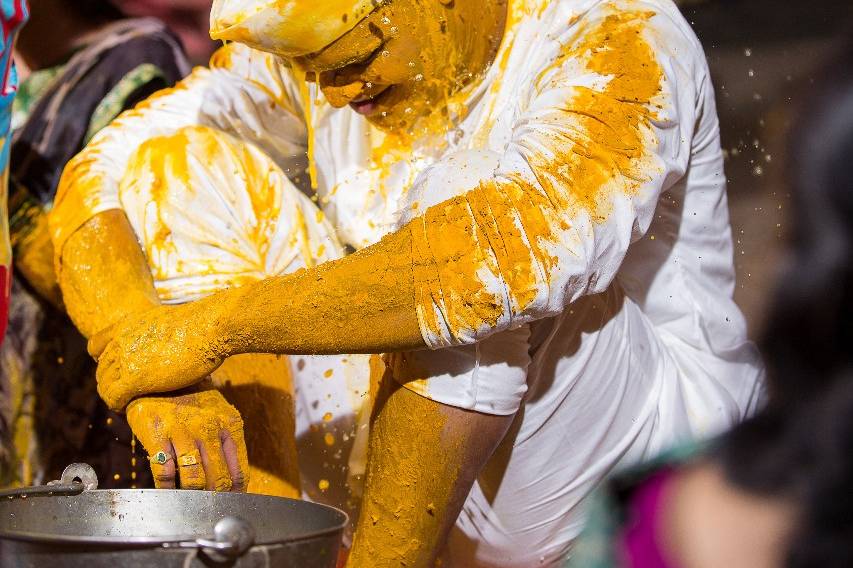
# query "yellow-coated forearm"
(363, 303)
(104, 275)
(360, 304)
(423, 459)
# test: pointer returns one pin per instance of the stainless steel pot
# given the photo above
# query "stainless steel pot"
(71, 524)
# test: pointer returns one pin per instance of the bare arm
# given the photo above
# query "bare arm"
(423, 460)
(363, 303)
(105, 278)
(360, 304)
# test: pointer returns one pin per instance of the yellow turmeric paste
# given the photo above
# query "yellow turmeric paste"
(286, 27)
(107, 278)
(34, 257)
(191, 426)
(403, 515)
(508, 227)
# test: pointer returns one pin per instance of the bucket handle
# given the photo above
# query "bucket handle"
(232, 537)
(76, 478)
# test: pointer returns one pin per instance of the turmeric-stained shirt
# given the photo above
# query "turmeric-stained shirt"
(587, 154)
(573, 255)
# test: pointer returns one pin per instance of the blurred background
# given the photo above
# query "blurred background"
(762, 52)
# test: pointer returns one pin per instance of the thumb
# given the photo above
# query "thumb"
(99, 341)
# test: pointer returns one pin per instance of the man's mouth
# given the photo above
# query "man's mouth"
(368, 105)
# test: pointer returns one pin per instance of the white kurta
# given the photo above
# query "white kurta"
(630, 341)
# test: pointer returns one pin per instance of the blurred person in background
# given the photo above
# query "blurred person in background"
(87, 64)
(189, 19)
(777, 490)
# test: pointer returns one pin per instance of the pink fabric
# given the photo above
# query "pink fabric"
(640, 542)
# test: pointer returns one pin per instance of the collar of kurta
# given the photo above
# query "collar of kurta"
(287, 28)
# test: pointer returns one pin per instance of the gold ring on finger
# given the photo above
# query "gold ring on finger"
(188, 460)
(160, 458)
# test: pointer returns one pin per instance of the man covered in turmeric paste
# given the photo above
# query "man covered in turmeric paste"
(535, 194)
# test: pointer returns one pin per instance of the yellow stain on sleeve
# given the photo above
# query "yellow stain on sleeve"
(509, 228)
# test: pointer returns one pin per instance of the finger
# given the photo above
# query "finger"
(118, 394)
(190, 468)
(215, 467)
(103, 374)
(115, 391)
(236, 455)
(161, 453)
(99, 342)
(164, 474)
(161, 457)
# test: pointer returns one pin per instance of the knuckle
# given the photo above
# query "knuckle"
(239, 482)
(223, 485)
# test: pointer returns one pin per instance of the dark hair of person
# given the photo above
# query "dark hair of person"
(800, 447)
(96, 10)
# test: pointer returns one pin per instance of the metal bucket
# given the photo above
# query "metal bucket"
(71, 524)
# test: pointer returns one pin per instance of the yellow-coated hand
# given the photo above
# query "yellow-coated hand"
(194, 441)
(162, 350)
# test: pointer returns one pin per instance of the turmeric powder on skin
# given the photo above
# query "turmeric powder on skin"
(105, 278)
(371, 300)
(192, 425)
(34, 257)
(404, 63)
(421, 464)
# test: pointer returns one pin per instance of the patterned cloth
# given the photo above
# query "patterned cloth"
(13, 14)
(52, 415)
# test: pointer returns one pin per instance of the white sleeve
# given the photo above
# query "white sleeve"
(245, 93)
(489, 377)
(606, 128)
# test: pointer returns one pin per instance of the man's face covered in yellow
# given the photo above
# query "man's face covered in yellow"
(392, 61)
